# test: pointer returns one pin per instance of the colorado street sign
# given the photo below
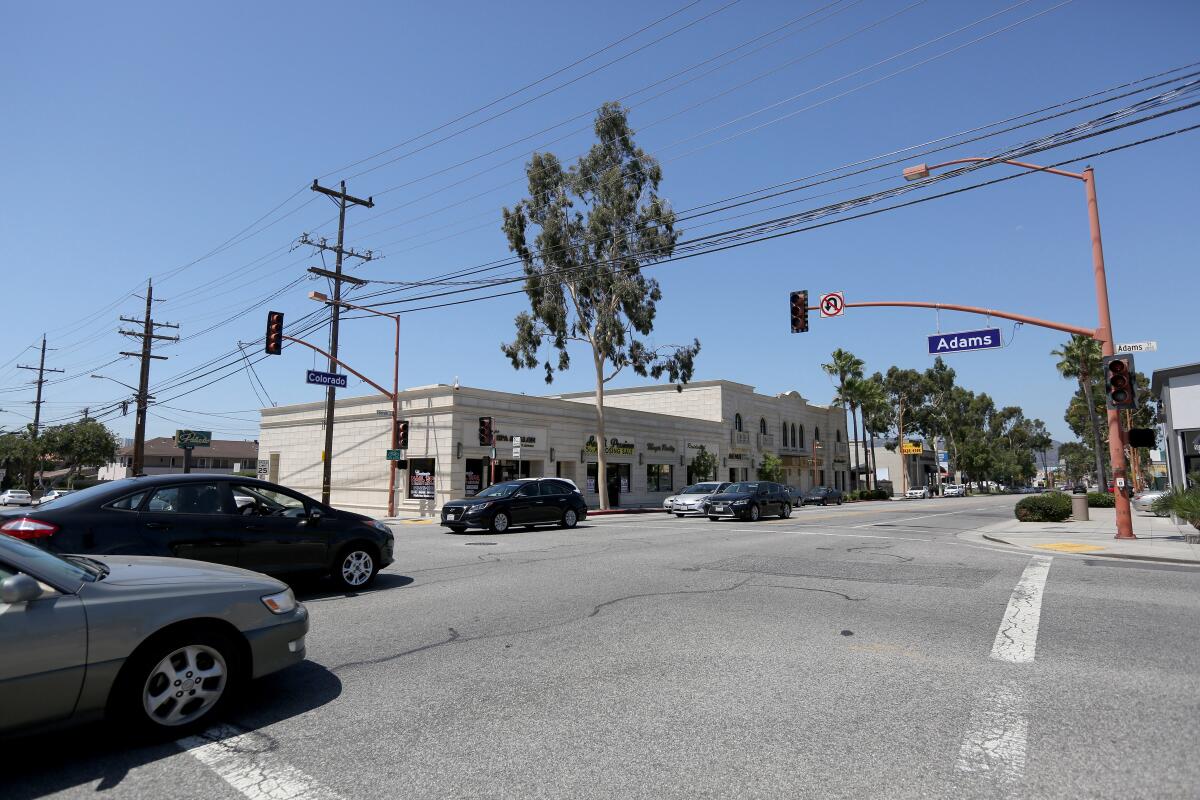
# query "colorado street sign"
(1137, 347)
(395, 455)
(985, 339)
(326, 378)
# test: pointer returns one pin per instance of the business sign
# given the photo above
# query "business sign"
(189, 439)
(326, 378)
(832, 304)
(615, 447)
(911, 449)
(985, 339)
(1137, 347)
(693, 449)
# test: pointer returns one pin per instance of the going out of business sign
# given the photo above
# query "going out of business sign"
(326, 378)
(985, 339)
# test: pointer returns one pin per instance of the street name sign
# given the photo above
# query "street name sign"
(188, 439)
(1137, 347)
(326, 378)
(985, 339)
(833, 304)
(395, 455)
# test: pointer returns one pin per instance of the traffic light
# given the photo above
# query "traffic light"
(274, 333)
(402, 434)
(1119, 391)
(800, 311)
(485, 432)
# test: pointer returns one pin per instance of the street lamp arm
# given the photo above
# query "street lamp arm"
(343, 365)
(114, 380)
(922, 170)
(1091, 333)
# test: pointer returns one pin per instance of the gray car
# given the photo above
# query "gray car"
(158, 643)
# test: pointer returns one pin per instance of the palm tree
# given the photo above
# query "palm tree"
(876, 416)
(1080, 358)
(852, 394)
(844, 365)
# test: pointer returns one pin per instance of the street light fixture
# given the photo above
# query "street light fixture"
(1116, 443)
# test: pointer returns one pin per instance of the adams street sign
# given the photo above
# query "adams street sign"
(986, 339)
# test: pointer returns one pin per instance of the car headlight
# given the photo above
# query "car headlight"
(478, 507)
(280, 603)
(740, 502)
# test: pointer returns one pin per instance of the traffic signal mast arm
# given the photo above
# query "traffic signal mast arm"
(1091, 333)
(343, 365)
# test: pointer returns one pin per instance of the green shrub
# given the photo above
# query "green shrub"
(1101, 500)
(1183, 503)
(1047, 507)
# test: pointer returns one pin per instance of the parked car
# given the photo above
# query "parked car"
(161, 643)
(528, 502)
(749, 500)
(53, 494)
(917, 493)
(692, 499)
(796, 495)
(954, 490)
(15, 497)
(224, 519)
(1144, 502)
(823, 496)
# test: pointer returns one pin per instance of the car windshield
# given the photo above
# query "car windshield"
(742, 488)
(501, 490)
(97, 492)
(701, 488)
(818, 490)
(56, 570)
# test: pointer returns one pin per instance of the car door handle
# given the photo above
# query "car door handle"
(256, 527)
(158, 526)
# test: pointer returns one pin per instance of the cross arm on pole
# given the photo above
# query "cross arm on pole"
(343, 365)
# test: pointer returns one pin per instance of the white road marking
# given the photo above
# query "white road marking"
(890, 520)
(997, 738)
(1016, 640)
(245, 762)
(816, 533)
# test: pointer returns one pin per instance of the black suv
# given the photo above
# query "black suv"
(750, 500)
(528, 502)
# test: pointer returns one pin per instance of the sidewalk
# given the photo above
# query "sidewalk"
(1158, 538)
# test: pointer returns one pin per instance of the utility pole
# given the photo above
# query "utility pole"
(37, 406)
(147, 335)
(903, 455)
(343, 200)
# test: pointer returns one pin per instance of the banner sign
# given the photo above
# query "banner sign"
(326, 378)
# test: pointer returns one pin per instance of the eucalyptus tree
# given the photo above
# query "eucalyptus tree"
(583, 235)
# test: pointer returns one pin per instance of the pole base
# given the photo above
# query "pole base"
(1124, 536)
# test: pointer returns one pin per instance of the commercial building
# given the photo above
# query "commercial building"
(1177, 390)
(890, 465)
(652, 435)
(224, 456)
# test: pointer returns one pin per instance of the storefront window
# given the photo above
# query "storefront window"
(617, 481)
(420, 478)
(659, 477)
(474, 477)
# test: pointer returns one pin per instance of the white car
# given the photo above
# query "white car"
(954, 490)
(1144, 502)
(918, 493)
(15, 497)
(691, 500)
(53, 494)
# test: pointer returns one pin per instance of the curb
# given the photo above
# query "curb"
(1125, 556)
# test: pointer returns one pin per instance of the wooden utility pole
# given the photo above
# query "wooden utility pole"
(147, 335)
(343, 200)
(37, 407)
(903, 455)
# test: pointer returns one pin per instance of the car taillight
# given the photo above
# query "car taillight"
(27, 528)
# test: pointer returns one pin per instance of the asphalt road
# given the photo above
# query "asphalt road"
(867, 651)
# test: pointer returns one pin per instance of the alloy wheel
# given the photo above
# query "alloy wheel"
(357, 567)
(185, 685)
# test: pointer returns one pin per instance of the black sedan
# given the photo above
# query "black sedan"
(750, 500)
(823, 496)
(223, 519)
(528, 502)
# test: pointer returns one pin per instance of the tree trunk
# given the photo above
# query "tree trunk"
(601, 462)
(854, 417)
(874, 458)
(1085, 382)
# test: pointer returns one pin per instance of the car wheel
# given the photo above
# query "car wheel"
(679, 515)
(839, 501)
(177, 683)
(356, 567)
(786, 511)
(500, 522)
(824, 502)
(569, 519)
(713, 519)
(457, 528)
(754, 514)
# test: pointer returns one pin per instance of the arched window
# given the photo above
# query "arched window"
(839, 435)
(793, 434)
(737, 422)
(762, 425)
(801, 437)
(783, 430)
(816, 434)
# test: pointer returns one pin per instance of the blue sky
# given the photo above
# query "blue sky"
(139, 137)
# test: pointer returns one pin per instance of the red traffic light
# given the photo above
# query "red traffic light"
(1119, 390)
(402, 434)
(799, 309)
(274, 343)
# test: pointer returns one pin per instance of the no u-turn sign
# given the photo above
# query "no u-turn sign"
(832, 304)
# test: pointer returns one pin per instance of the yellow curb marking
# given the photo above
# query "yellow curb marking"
(416, 522)
(1070, 547)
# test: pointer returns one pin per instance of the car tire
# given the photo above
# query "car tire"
(177, 683)
(753, 513)
(500, 522)
(457, 528)
(713, 519)
(839, 501)
(824, 502)
(679, 515)
(356, 567)
(786, 511)
(569, 519)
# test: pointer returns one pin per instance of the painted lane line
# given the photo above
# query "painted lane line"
(843, 535)
(246, 762)
(924, 516)
(994, 747)
(1016, 640)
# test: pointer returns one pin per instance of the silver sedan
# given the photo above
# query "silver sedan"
(159, 643)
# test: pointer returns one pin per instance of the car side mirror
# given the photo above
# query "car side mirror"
(314, 517)
(19, 589)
